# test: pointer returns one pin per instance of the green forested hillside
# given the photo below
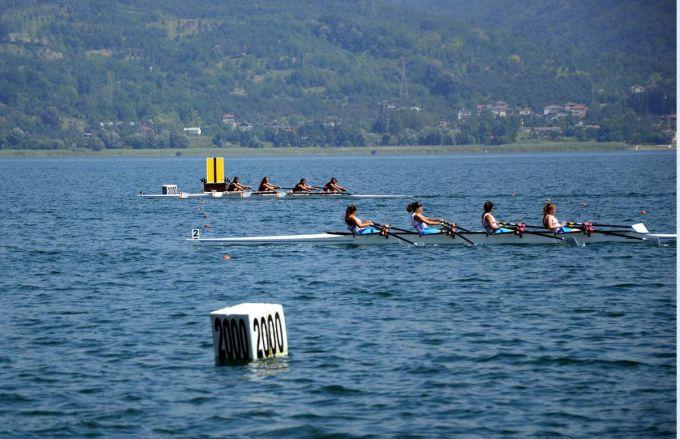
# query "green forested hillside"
(134, 73)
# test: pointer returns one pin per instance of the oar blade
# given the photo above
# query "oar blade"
(640, 228)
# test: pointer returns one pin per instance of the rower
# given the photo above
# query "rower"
(551, 222)
(489, 222)
(236, 186)
(266, 186)
(420, 222)
(333, 186)
(302, 186)
(356, 225)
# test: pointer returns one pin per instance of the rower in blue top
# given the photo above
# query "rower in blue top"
(551, 222)
(489, 222)
(356, 225)
(420, 222)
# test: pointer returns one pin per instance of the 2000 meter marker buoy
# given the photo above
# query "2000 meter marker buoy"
(249, 332)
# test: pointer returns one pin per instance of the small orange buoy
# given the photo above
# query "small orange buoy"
(644, 212)
(226, 257)
(207, 226)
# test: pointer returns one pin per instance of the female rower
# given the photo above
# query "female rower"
(420, 222)
(489, 222)
(551, 222)
(355, 225)
(236, 186)
(303, 187)
(333, 186)
(266, 186)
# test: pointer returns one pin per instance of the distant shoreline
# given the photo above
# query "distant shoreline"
(542, 147)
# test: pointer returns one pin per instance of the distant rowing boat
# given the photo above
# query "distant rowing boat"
(273, 194)
(639, 234)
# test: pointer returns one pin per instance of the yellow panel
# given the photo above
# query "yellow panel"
(219, 168)
(210, 169)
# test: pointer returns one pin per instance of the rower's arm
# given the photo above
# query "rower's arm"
(428, 221)
(361, 223)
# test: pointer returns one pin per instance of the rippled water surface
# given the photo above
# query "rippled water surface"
(104, 306)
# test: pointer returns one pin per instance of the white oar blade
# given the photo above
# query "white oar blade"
(640, 228)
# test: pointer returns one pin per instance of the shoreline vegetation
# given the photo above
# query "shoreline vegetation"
(538, 147)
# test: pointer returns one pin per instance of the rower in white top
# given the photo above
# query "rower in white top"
(489, 221)
(420, 222)
(356, 225)
(551, 222)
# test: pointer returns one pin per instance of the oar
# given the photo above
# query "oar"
(403, 230)
(545, 234)
(639, 227)
(387, 230)
(452, 229)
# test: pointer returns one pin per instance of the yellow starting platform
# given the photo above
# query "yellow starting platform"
(214, 175)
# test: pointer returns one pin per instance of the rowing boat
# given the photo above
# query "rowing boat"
(268, 195)
(639, 235)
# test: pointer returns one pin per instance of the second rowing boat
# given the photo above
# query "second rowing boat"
(636, 234)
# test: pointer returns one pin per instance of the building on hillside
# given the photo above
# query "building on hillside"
(637, 89)
(500, 108)
(526, 111)
(386, 106)
(552, 109)
(444, 123)
(244, 127)
(414, 108)
(578, 110)
(464, 113)
(331, 122)
(483, 107)
(192, 131)
(229, 120)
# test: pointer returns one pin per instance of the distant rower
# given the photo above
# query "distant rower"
(302, 186)
(266, 186)
(420, 222)
(551, 222)
(355, 224)
(236, 186)
(333, 186)
(489, 222)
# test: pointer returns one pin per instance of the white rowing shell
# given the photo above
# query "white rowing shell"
(479, 238)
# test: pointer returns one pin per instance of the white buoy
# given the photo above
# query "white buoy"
(249, 332)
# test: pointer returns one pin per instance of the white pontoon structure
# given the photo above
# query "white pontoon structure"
(637, 233)
(215, 185)
(268, 195)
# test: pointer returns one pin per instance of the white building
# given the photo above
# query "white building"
(192, 131)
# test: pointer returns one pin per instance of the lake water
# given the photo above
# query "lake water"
(104, 306)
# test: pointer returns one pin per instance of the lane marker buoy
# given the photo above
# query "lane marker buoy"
(249, 332)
